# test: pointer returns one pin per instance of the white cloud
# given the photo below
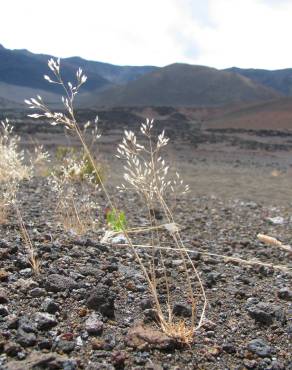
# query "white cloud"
(219, 33)
(247, 34)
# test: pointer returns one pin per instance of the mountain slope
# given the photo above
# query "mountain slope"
(185, 85)
(7, 104)
(272, 115)
(21, 68)
(21, 74)
(280, 80)
(113, 73)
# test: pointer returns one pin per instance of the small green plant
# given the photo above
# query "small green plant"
(116, 220)
(88, 170)
(62, 152)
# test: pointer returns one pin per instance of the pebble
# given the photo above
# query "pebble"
(26, 339)
(276, 220)
(146, 303)
(12, 349)
(45, 321)
(50, 306)
(151, 314)
(27, 272)
(3, 296)
(102, 299)
(59, 283)
(93, 325)
(229, 348)
(12, 321)
(262, 313)
(118, 359)
(37, 292)
(97, 344)
(181, 309)
(145, 337)
(259, 347)
(27, 325)
(36, 360)
(3, 311)
(65, 346)
(212, 278)
(176, 263)
(285, 293)
(4, 275)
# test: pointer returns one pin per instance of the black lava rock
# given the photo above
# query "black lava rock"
(102, 299)
(59, 283)
(3, 296)
(50, 306)
(25, 339)
(180, 309)
(285, 294)
(259, 347)
(65, 346)
(262, 313)
(93, 325)
(45, 321)
(3, 310)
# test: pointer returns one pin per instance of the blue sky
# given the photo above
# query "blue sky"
(218, 33)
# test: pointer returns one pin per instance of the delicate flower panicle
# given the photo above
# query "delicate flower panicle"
(11, 164)
(162, 140)
(145, 170)
(146, 127)
(40, 155)
(70, 90)
(95, 133)
(54, 65)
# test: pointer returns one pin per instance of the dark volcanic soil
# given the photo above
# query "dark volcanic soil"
(78, 312)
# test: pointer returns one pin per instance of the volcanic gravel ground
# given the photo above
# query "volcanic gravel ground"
(78, 312)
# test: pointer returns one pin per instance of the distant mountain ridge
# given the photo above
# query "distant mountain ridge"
(21, 76)
(185, 85)
(279, 80)
(21, 70)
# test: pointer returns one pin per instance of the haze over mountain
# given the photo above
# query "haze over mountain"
(21, 76)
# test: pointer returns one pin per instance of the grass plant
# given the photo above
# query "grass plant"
(148, 178)
(148, 175)
(76, 207)
(13, 169)
(28, 245)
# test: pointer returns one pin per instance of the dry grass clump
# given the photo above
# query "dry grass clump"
(75, 182)
(29, 247)
(12, 158)
(13, 169)
(75, 189)
(147, 174)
